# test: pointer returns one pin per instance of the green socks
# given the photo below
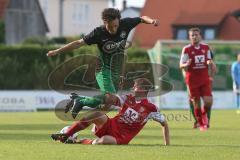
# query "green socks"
(192, 109)
(92, 102)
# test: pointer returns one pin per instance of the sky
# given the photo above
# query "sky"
(135, 3)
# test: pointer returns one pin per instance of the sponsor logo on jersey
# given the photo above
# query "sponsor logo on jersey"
(111, 46)
(199, 59)
(203, 51)
(130, 116)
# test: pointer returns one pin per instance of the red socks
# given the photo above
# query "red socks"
(204, 115)
(77, 126)
(86, 141)
(198, 114)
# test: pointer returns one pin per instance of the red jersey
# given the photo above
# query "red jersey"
(197, 72)
(134, 115)
(130, 119)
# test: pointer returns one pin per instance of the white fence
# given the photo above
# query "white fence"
(29, 100)
(33, 100)
(179, 100)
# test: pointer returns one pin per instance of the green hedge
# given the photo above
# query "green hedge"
(2, 32)
(42, 40)
(28, 67)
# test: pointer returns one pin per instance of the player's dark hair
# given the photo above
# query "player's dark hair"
(144, 83)
(110, 14)
(194, 29)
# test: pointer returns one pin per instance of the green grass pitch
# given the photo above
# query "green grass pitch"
(25, 136)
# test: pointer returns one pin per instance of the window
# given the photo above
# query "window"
(80, 13)
(182, 34)
(209, 34)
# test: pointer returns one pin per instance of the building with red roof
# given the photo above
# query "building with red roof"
(217, 19)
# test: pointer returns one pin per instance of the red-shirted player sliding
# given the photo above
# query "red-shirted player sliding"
(134, 113)
(196, 60)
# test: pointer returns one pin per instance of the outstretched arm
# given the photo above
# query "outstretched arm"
(148, 20)
(158, 117)
(165, 131)
(70, 46)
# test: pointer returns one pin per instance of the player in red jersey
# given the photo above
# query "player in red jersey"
(135, 111)
(195, 124)
(196, 60)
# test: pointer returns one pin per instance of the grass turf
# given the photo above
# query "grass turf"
(25, 136)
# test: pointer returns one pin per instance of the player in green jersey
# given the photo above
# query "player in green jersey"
(111, 40)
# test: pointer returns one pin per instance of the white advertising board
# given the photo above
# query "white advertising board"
(33, 100)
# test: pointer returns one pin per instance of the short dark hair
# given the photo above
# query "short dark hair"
(194, 29)
(110, 14)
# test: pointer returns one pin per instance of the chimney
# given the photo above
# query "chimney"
(124, 4)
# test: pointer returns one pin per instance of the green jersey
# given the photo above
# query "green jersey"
(111, 57)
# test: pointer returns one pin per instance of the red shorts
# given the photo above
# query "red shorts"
(198, 91)
(113, 128)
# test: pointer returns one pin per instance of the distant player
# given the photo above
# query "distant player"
(111, 39)
(196, 59)
(235, 70)
(135, 111)
(211, 74)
